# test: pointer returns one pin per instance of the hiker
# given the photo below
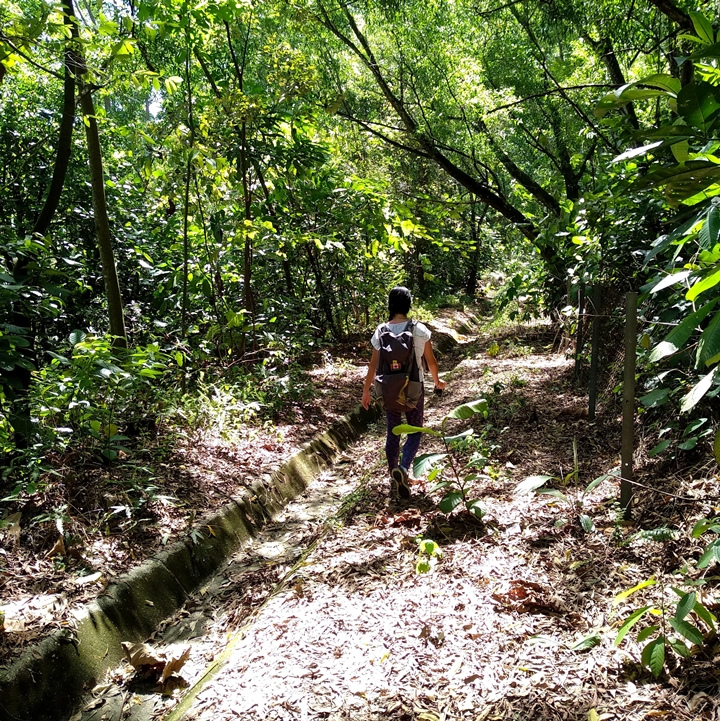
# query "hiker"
(395, 376)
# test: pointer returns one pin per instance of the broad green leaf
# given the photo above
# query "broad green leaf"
(703, 27)
(689, 444)
(587, 523)
(697, 392)
(670, 280)
(96, 426)
(698, 104)
(716, 446)
(475, 508)
(439, 486)
(712, 553)
(694, 426)
(552, 492)
(179, 358)
(77, 336)
(531, 483)
(681, 151)
(690, 632)
(629, 622)
(429, 546)
(620, 597)
(423, 566)
(681, 181)
(653, 656)
(705, 615)
(405, 428)
(433, 474)
(450, 501)
(704, 525)
(655, 398)
(679, 647)
(679, 335)
(468, 410)
(685, 605)
(172, 83)
(425, 462)
(659, 448)
(586, 643)
(662, 81)
(710, 231)
(712, 51)
(709, 281)
(624, 95)
(600, 479)
(645, 634)
(458, 437)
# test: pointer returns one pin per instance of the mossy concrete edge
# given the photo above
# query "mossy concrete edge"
(49, 679)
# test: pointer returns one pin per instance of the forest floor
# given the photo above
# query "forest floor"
(325, 617)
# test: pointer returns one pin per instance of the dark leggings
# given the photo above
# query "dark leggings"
(412, 442)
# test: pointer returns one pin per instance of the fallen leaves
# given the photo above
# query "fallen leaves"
(58, 548)
(528, 597)
(148, 662)
(11, 525)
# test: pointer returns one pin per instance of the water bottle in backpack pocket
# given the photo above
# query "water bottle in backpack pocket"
(397, 377)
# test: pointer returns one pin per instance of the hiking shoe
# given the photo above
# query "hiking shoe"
(400, 482)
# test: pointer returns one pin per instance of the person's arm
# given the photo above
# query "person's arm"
(369, 378)
(433, 366)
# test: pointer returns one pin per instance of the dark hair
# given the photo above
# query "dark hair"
(399, 301)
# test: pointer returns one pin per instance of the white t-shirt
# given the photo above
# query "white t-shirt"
(421, 335)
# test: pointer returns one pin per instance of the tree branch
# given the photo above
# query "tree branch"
(552, 91)
(672, 11)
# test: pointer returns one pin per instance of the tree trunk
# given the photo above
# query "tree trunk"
(529, 183)
(102, 221)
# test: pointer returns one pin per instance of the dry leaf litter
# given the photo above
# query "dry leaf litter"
(324, 616)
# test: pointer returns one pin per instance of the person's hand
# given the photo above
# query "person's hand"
(440, 385)
(366, 398)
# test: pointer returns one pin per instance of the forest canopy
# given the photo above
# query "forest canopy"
(209, 190)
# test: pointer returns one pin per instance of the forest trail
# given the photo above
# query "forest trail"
(325, 617)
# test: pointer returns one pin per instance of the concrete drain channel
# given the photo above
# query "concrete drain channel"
(207, 622)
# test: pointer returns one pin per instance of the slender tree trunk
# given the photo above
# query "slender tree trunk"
(475, 222)
(102, 221)
(188, 174)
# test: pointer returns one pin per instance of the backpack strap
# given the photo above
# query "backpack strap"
(381, 329)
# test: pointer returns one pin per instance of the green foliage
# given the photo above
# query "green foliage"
(690, 616)
(684, 260)
(536, 484)
(95, 390)
(429, 553)
(455, 481)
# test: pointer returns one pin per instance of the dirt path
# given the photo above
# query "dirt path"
(325, 617)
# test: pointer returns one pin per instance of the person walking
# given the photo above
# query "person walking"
(399, 302)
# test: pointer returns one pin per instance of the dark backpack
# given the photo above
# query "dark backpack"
(397, 376)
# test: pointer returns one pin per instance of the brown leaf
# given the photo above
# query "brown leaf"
(140, 655)
(174, 664)
(58, 549)
(13, 529)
